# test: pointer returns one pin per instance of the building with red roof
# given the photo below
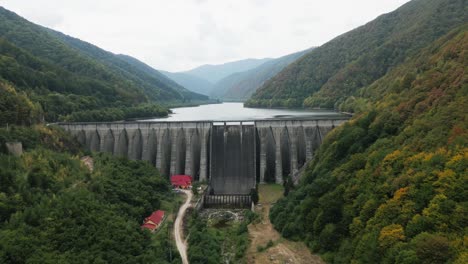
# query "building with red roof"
(153, 221)
(181, 181)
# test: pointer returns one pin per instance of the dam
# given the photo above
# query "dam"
(231, 156)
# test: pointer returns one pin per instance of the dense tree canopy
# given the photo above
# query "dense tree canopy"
(218, 240)
(54, 210)
(390, 186)
(329, 74)
(16, 108)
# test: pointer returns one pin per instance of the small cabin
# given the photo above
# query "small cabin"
(153, 221)
(181, 181)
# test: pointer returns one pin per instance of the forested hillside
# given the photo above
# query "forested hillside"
(241, 85)
(53, 209)
(336, 70)
(157, 76)
(66, 75)
(16, 108)
(391, 185)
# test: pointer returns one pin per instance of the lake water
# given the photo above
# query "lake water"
(237, 111)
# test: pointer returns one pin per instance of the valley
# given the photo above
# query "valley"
(282, 147)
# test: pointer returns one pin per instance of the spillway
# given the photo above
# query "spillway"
(232, 159)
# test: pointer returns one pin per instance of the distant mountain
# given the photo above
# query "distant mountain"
(241, 85)
(191, 82)
(141, 66)
(214, 73)
(328, 75)
(67, 75)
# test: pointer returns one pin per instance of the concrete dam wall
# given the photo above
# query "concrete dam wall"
(231, 156)
(233, 159)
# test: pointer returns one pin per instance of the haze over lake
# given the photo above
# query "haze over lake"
(237, 111)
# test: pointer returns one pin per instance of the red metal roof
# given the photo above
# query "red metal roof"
(181, 180)
(149, 226)
(152, 222)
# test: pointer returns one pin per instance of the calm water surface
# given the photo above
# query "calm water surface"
(237, 111)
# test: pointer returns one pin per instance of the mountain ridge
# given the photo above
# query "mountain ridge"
(215, 72)
(67, 75)
(326, 76)
(241, 85)
(191, 82)
(387, 187)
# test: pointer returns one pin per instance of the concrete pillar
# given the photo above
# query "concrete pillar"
(278, 160)
(204, 155)
(107, 141)
(145, 134)
(174, 148)
(188, 152)
(150, 144)
(121, 144)
(132, 148)
(87, 139)
(95, 141)
(316, 139)
(116, 140)
(308, 142)
(293, 150)
(159, 135)
(263, 149)
(102, 135)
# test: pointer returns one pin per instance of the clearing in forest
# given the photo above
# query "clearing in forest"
(261, 232)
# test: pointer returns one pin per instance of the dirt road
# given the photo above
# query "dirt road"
(179, 228)
(262, 232)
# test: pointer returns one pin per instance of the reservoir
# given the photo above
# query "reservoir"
(237, 111)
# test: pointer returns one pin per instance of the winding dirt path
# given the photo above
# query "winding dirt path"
(179, 228)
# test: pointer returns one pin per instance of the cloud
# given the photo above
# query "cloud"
(181, 34)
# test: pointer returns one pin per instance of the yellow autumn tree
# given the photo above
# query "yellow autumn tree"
(391, 234)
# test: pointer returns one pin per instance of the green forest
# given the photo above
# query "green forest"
(73, 80)
(329, 74)
(390, 186)
(53, 209)
(218, 240)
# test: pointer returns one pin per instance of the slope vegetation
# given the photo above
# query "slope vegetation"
(16, 108)
(336, 70)
(390, 186)
(66, 75)
(53, 205)
(161, 79)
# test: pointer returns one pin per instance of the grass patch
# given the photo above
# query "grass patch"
(270, 193)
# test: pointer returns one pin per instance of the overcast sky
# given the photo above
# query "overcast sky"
(179, 35)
